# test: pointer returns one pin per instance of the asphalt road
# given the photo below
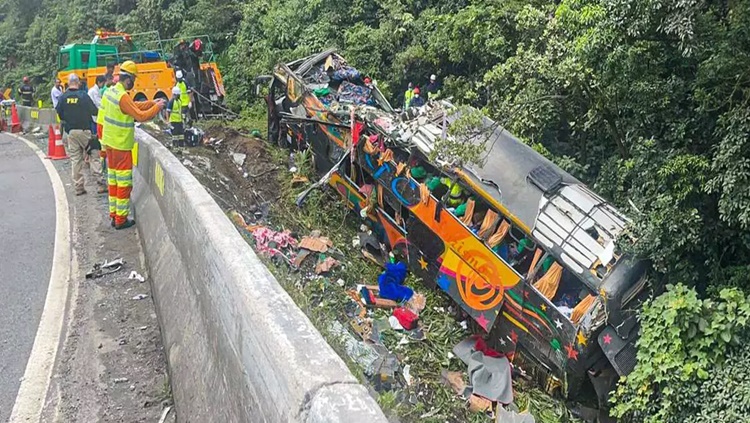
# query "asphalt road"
(27, 233)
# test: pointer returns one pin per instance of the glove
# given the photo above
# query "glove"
(190, 105)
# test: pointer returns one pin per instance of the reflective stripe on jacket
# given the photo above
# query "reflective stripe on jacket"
(118, 128)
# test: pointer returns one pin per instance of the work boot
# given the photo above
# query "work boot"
(127, 224)
(80, 191)
(112, 222)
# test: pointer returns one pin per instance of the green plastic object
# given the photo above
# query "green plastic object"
(418, 172)
(461, 210)
(322, 92)
(256, 133)
(433, 183)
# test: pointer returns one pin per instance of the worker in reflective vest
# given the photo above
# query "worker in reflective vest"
(118, 134)
(174, 111)
(184, 94)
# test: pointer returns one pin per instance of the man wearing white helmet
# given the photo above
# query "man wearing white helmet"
(184, 94)
(175, 117)
(432, 88)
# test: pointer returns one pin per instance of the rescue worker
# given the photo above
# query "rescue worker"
(26, 91)
(75, 109)
(111, 81)
(416, 100)
(118, 134)
(175, 117)
(57, 92)
(432, 88)
(184, 94)
(456, 194)
(408, 95)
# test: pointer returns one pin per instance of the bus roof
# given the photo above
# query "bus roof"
(574, 223)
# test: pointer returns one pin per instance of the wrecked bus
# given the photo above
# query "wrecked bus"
(528, 252)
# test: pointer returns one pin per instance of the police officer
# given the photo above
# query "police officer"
(75, 109)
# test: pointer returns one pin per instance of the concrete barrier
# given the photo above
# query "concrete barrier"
(32, 116)
(239, 349)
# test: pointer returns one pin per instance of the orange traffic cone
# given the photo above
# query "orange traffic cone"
(15, 122)
(55, 147)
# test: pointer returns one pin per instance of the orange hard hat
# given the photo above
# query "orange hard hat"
(368, 80)
(416, 90)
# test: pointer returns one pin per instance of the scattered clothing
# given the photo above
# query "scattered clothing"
(489, 377)
(270, 242)
(346, 74)
(355, 94)
(407, 318)
(391, 280)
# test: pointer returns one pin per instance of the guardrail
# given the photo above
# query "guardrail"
(239, 349)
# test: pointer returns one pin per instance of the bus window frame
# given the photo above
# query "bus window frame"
(531, 282)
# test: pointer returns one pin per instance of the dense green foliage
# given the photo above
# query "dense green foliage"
(681, 354)
(646, 100)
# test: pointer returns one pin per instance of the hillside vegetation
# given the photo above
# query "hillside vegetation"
(645, 100)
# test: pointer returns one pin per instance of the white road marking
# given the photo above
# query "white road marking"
(36, 378)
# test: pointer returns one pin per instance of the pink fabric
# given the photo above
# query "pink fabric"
(281, 240)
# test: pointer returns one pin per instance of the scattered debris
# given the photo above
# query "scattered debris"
(140, 297)
(299, 180)
(271, 243)
(508, 416)
(479, 404)
(456, 381)
(407, 374)
(326, 265)
(121, 380)
(315, 242)
(105, 268)
(136, 275)
(165, 413)
(340, 282)
(239, 158)
(395, 324)
(407, 318)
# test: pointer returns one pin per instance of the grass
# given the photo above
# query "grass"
(323, 300)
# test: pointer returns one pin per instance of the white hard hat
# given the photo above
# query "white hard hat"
(176, 90)
(433, 77)
(178, 74)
